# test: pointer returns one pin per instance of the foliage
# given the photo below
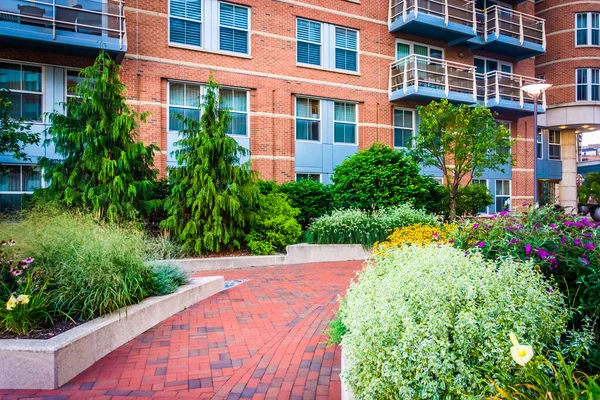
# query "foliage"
(566, 248)
(336, 331)
(313, 199)
(93, 268)
(422, 321)
(470, 200)
(461, 141)
(381, 177)
(167, 278)
(418, 234)
(212, 195)
(362, 227)
(590, 188)
(26, 309)
(14, 132)
(103, 167)
(546, 379)
(275, 227)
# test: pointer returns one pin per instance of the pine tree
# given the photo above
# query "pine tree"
(103, 169)
(212, 194)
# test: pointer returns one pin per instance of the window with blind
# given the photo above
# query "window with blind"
(16, 180)
(184, 101)
(185, 22)
(588, 84)
(404, 49)
(346, 49)
(22, 86)
(554, 144)
(233, 28)
(308, 119)
(308, 35)
(403, 128)
(540, 147)
(344, 123)
(236, 101)
(587, 32)
(502, 194)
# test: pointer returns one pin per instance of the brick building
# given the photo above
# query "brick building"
(309, 82)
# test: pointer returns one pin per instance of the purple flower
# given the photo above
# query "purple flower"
(589, 246)
(552, 225)
(27, 260)
(451, 241)
(487, 227)
(527, 249)
(553, 263)
(510, 228)
(542, 254)
(550, 290)
(585, 222)
(514, 240)
(481, 244)
(585, 261)
(563, 239)
(577, 242)
(475, 226)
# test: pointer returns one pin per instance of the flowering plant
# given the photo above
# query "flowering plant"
(418, 234)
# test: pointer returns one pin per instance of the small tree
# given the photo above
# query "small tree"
(14, 132)
(212, 195)
(103, 168)
(461, 141)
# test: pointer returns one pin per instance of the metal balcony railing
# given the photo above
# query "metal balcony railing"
(103, 18)
(458, 11)
(504, 21)
(419, 71)
(495, 86)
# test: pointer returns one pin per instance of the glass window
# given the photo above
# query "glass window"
(482, 182)
(554, 145)
(15, 181)
(502, 194)
(308, 35)
(540, 147)
(582, 93)
(185, 22)
(346, 49)
(22, 86)
(344, 123)
(582, 29)
(587, 31)
(237, 103)
(403, 128)
(184, 100)
(588, 84)
(308, 177)
(308, 119)
(233, 28)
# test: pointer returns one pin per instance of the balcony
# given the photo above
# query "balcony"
(80, 29)
(501, 91)
(452, 21)
(417, 77)
(504, 31)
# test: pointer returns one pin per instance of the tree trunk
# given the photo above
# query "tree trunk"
(453, 195)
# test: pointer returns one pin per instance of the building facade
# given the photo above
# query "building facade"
(309, 82)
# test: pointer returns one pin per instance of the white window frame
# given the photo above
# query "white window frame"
(321, 44)
(412, 44)
(42, 183)
(41, 93)
(540, 140)
(487, 186)
(248, 31)
(588, 28)
(247, 112)
(355, 143)
(414, 128)
(320, 119)
(309, 173)
(343, 48)
(202, 28)
(588, 84)
(559, 144)
(503, 195)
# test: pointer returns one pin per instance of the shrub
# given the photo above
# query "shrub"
(381, 177)
(93, 268)
(167, 278)
(361, 227)
(418, 234)
(27, 308)
(470, 200)
(422, 322)
(276, 226)
(313, 199)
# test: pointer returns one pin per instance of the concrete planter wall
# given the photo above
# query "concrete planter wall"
(49, 364)
(346, 394)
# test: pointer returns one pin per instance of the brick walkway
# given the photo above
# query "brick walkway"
(262, 339)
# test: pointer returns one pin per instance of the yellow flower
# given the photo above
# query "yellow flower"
(521, 354)
(23, 299)
(11, 303)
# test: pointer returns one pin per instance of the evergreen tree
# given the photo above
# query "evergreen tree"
(103, 168)
(212, 195)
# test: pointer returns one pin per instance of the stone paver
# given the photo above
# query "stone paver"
(263, 339)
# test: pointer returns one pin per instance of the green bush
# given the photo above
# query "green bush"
(93, 268)
(167, 278)
(275, 227)
(362, 227)
(471, 200)
(27, 308)
(422, 322)
(313, 199)
(381, 177)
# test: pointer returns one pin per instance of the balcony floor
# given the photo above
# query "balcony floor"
(433, 27)
(512, 107)
(429, 94)
(508, 46)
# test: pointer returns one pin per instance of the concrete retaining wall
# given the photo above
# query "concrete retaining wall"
(346, 394)
(49, 364)
(219, 263)
(311, 253)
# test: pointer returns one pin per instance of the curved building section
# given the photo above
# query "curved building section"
(572, 65)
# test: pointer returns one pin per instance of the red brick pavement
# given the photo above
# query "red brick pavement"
(263, 339)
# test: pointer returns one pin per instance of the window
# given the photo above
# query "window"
(16, 180)
(24, 90)
(185, 22)
(308, 177)
(587, 32)
(237, 103)
(346, 46)
(308, 45)
(404, 49)
(553, 145)
(233, 28)
(308, 119)
(588, 84)
(483, 182)
(540, 146)
(485, 65)
(502, 194)
(184, 100)
(73, 79)
(403, 128)
(344, 123)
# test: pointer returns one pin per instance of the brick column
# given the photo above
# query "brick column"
(568, 184)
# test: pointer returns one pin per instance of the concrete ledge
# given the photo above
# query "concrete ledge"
(219, 263)
(311, 253)
(346, 394)
(49, 364)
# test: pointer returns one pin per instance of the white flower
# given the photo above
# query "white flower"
(521, 354)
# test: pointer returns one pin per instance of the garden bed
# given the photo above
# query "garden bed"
(49, 364)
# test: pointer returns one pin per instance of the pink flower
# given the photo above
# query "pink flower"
(27, 260)
(481, 244)
(589, 246)
(527, 249)
(475, 226)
